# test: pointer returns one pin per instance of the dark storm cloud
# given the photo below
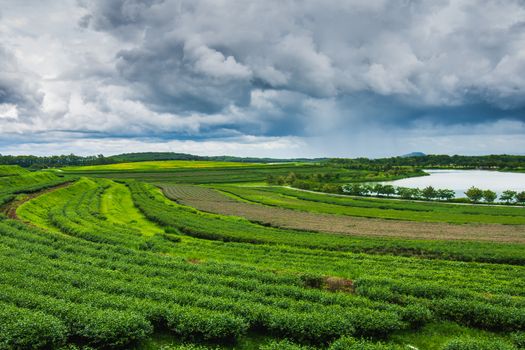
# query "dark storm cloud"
(396, 62)
(212, 69)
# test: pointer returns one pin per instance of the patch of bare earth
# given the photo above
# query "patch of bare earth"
(213, 201)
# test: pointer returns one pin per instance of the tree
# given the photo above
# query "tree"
(508, 196)
(355, 189)
(408, 193)
(378, 189)
(404, 192)
(389, 190)
(474, 194)
(290, 179)
(489, 196)
(446, 194)
(429, 193)
(417, 193)
(520, 197)
(366, 190)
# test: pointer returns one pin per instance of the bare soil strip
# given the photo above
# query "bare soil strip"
(213, 201)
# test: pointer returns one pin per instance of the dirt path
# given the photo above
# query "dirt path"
(9, 209)
(213, 201)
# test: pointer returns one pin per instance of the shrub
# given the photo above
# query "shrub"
(26, 329)
(312, 280)
(416, 315)
(478, 314)
(209, 326)
(518, 338)
(349, 343)
(477, 344)
(283, 345)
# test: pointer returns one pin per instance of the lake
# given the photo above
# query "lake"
(462, 180)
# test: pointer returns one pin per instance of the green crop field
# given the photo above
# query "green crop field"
(112, 263)
(160, 165)
(377, 207)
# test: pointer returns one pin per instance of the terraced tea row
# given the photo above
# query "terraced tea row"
(208, 226)
(101, 281)
(378, 208)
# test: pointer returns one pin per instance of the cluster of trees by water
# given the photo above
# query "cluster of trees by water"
(474, 194)
(501, 162)
(323, 182)
(428, 193)
(331, 178)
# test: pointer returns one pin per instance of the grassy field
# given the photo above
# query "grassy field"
(116, 205)
(117, 265)
(206, 172)
(10, 170)
(217, 202)
(160, 165)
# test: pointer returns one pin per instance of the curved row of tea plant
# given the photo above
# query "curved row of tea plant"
(216, 227)
(110, 295)
(184, 284)
(377, 207)
(20, 181)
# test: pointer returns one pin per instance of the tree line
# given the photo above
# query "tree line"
(428, 193)
(474, 194)
(36, 162)
(502, 161)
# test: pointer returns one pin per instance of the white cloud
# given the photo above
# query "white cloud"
(8, 111)
(312, 69)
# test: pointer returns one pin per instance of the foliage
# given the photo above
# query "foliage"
(520, 197)
(429, 193)
(477, 344)
(474, 194)
(375, 207)
(508, 196)
(26, 329)
(95, 278)
(489, 196)
(348, 343)
(518, 338)
(52, 161)
(435, 161)
(283, 345)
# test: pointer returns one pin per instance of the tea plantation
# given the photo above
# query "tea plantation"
(111, 263)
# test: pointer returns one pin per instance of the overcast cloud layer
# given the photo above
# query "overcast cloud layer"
(262, 78)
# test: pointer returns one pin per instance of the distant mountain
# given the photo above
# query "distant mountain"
(413, 154)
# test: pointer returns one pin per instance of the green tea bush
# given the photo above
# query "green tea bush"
(208, 325)
(482, 315)
(25, 329)
(349, 343)
(283, 345)
(468, 343)
(518, 338)
(416, 315)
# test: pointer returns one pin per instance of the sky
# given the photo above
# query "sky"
(270, 78)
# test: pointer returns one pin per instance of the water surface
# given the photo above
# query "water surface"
(462, 180)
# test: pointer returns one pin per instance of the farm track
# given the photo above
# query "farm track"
(10, 208)
(214, 201)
